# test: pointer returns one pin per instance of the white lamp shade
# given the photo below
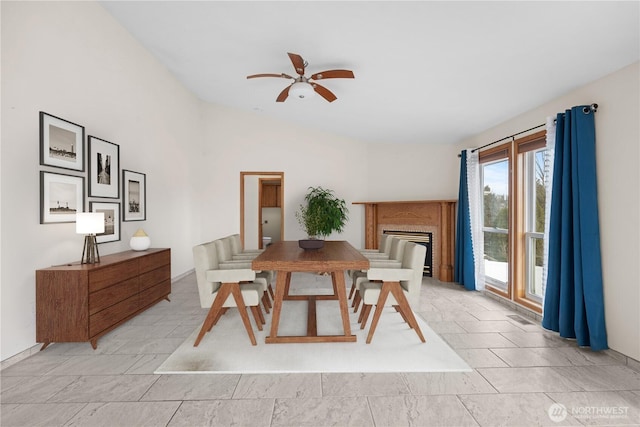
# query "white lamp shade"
(301, 90)
(89, 222)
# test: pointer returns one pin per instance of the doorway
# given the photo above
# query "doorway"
(261, 208)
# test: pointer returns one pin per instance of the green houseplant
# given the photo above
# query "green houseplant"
(322, 214)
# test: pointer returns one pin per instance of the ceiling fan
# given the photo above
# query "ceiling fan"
(303, 87)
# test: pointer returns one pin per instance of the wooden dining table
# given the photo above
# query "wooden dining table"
(334, 258)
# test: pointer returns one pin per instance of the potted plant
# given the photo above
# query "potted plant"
(322, 214)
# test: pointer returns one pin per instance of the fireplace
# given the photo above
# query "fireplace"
(422, 238)
(416, 217)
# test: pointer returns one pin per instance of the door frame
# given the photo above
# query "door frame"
(271, 175)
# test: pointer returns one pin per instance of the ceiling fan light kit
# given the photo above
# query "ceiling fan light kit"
(303, 87)
(301, 90)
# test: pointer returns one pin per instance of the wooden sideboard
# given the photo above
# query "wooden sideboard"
(82, 302)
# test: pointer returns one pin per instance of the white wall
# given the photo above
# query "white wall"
(71, 60)
(238, 141)
(617, 159)
(412, 172)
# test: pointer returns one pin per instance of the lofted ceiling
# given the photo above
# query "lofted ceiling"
(425, 71)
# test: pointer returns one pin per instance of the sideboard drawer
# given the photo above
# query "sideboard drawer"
(154, 293)
(112, 315)
(154, 277)
(103, 277)
(112, 295)
(152, 261)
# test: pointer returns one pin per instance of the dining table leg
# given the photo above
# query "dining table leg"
(340, 289)
(283, 278)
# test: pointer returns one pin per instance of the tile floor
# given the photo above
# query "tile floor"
(522, 376)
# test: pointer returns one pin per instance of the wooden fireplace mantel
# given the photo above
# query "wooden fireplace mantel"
(417, 215)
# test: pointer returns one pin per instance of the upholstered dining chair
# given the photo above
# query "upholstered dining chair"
(393, 261)
(237, 253)
(396, 287)
(236, 247)
(220, 289)
(225, 252)
(226, 261)
(384, 247)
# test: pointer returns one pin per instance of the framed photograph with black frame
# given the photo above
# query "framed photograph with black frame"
(134, 196)
(104, 168)
(61, 197)
(61, 143)
(111, 212)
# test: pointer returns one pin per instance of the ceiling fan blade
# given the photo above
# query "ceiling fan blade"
(298, 62)
(283, 95)
(324, 92)
(283, 75)
(333, 74)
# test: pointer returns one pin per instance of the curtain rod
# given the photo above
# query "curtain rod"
(586, 110)
(507, 137)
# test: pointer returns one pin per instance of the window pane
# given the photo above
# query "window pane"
(495, 201)
(534, 199)
(496, 261)
(540, 194)
(534, 265)
(496, 194)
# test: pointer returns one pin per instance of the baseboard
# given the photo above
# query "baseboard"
(20, 356)
(182, 276)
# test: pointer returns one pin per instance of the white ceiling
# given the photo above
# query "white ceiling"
(425, 71)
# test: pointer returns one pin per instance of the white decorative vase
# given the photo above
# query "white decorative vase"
(140, 241)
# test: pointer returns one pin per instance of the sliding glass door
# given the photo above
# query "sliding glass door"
(495, 207)
(513, 204)
(534, 206)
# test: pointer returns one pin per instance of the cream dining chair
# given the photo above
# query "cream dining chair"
(236, 247)
(393, 261)
(396, 287)
(237, 253)
(225, 259)
(220, 289)
(384, 247)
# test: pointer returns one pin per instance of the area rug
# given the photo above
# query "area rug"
(394, 348)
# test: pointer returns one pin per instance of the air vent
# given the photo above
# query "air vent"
(519, 319)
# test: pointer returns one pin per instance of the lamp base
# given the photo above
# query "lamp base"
(90, 249)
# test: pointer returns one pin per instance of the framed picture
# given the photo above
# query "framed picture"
(61, 143)
(61, 197)
(104, 168)
(111, 212)
(134, 196)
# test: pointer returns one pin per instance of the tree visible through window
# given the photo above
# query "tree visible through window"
(495, 202)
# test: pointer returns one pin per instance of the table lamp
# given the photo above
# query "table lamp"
(89, 224)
